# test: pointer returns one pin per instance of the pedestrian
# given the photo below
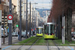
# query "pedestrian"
(28, 34)
(5, 31)
(8, 31)
(17, 31)
(3, 34)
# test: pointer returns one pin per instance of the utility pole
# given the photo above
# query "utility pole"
(10, 25)
(4, 18)
(0, 26)
(30, 20)
(32, 23)
(20, 23)
(0, 1)
(26, 17)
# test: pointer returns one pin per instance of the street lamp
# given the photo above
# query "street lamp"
(0, 1)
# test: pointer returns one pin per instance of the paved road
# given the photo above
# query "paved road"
(39, 47)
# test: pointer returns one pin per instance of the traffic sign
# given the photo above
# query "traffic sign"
(9, 21)
(10, 17)
(35, 28)
(32, 29)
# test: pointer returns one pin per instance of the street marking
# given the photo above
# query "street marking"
(6, 47)
(70, 48)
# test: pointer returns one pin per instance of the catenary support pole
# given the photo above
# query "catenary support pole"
(30, 19)
(4, 18)
(26, 17)
(20, 23)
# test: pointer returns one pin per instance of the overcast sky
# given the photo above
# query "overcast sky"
(42, 3)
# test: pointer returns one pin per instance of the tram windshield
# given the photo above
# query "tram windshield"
(39, 30)
(49, 29)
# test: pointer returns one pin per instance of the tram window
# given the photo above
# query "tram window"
(39, 30)
(52, 29)
(48, 30)
(45, 27)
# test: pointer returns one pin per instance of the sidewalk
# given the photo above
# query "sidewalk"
(14, 40)
(39, 47)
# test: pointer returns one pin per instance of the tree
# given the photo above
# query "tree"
(56, 12)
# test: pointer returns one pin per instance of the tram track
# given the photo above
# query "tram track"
(56, 44)
(25, 43)
(47, 43)
(33, 43)
(36, 39)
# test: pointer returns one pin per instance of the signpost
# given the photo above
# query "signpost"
(10, 17)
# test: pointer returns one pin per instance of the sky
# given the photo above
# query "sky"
(44, 4)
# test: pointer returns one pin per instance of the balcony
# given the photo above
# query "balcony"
(5, 22)
(6, 4)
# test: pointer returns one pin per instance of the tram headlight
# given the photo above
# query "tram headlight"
(52, 33)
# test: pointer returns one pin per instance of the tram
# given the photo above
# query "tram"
(39, 31)
(49, 31)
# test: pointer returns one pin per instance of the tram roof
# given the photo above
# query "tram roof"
(39, 27)
(50, 23)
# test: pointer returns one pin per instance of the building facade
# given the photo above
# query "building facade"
(4, 6)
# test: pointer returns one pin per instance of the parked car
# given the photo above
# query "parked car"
(73, 34)
(23, 34)
(13, 34)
